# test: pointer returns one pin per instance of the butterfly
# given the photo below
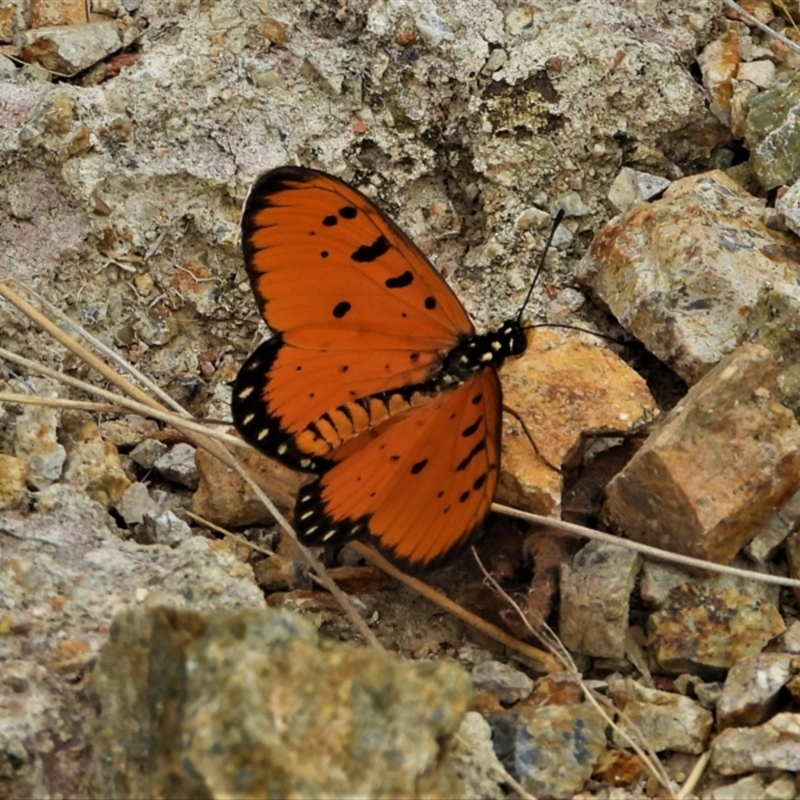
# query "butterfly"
(374, 379)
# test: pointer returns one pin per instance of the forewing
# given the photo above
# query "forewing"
(331, 272)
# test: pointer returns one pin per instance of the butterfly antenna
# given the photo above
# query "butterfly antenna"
(556, 222)
(578, 328)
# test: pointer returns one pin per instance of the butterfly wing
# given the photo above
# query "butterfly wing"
(357, 309)
(283, 398)
(416, 486)
(330, 271)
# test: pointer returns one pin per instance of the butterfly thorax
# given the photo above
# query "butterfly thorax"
(476, 352)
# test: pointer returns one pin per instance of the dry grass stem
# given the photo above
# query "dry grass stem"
(644, 549)
(204, 439)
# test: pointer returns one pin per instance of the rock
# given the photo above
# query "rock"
(572, 205)
(13, 486)
(551, 750)
(556, 689)
(147, 452)
(773, 322)
(744, 789)
(129, 431)
(8, 68)
(278, 573)
(682, 273)
(793, 558)
(719, 62)
(526, 98)
(178, 465)
(509, 684)
(563, 389)
(474, 760)
(788, 204)
(91, 463)
(250, 702)
(707, 694)
(517, 19)
(532, 218)
(743, 94)
(619, 767)
(659, 720)
(774, 532)
(632, 186)
(750, 693)
(36, 443)
(69, 49)
(7, 24)
(43, 13)
(793, 688)
(658, 580)
(791, 638)
(64, 574)
(717, 466)
(163, 527)
(433, 28)
(771, 746)
(705, 632)
(761, 73)
(771, 133)
(135, 503)
(595, 593)
(224, 498)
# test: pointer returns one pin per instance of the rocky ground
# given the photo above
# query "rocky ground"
(140, 654)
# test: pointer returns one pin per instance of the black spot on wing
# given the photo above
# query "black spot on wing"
(370, 252)
(419, 466)
(330, 220)
(340, 309)
(463, 496)
(324, 254)
(465, 462)
(348, 212)
(479, 482)
(400, 281)
(471, 429)
(477, 399)
(430, 303)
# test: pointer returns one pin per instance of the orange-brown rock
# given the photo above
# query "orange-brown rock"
(718, 465)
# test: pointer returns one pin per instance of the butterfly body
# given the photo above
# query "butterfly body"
(374, 379)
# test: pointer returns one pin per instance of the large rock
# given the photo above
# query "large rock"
(254, 704)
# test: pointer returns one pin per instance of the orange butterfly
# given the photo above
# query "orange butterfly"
(374, 379)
